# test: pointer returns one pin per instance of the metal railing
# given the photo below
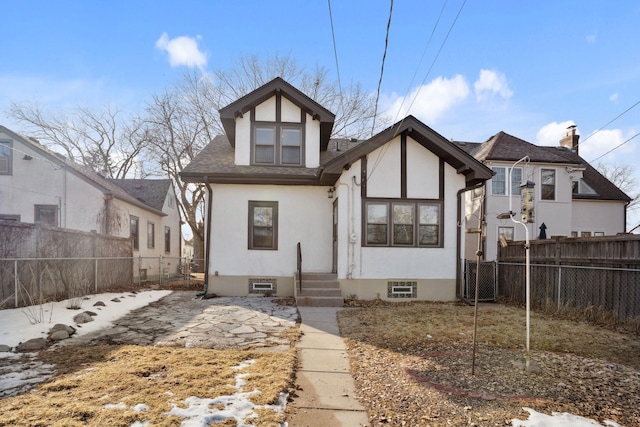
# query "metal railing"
(299, 267)
(613, 292)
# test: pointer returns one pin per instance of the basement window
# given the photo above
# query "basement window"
(402, 289)
(263, 285)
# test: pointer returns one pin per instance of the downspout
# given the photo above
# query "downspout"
(207, 248)
(459, 232)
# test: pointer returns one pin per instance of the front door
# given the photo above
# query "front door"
(334, 268)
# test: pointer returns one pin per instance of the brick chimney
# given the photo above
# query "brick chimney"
(570, 140)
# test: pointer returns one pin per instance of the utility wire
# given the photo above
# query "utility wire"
(434, 59)
(335, 53)
(384, 56)
(424, 52)
(615, 148)
(611, 121)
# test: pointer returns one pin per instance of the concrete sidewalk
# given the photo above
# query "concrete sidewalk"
(327, 395)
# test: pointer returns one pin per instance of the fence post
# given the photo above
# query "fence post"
(160, 269)
(95, 275)
(559, 284)
(15, 280)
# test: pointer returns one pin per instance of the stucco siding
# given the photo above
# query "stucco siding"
(598, 216)
(423, 172)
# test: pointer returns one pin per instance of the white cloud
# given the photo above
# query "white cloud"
(429, 102)
(604, 141)
(613, 97)
(492, 84)
(183, 51)
(551, 133)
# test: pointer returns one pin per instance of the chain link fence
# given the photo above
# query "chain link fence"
(31, 281)
(603, 292)
(487, 291)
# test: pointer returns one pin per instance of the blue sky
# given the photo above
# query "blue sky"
(529, 68)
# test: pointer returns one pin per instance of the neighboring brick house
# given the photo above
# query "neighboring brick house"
(571, 198)
(40, 186)
(381, 215)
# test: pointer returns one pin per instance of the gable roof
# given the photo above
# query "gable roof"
(82, 172)
(505, 147)
(152, 192)
(474, 171)
(239, 107)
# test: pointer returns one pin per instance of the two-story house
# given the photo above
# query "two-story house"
(40, 186)
(569, 197)
(380, 214)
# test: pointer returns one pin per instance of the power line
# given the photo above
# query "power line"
(424, 52)
(611, 121)
(615, 148)
(384, 56)
(435, 58)
(335, 52)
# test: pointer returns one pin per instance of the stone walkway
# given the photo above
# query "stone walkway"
(180, 320)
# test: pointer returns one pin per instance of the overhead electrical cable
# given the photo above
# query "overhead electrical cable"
(435, 58)
(335, 54)
(610, 121)
(384, 56)
(615, 148)
(424, 52)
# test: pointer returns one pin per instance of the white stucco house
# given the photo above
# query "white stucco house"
(373, 219)
(569, 197)
(40, 186)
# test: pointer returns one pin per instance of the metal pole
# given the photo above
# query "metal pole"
(15, 279)
(475, 307)
(95, 272)
(559, 284)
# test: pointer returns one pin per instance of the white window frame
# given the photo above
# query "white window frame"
(543, 185)
(510, 188)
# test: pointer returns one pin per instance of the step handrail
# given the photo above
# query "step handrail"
(299, 265)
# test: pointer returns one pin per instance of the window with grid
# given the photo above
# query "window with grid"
(277, 144)
(6, 157)
(46, 214)
(151, 235)
(548, 184)
(263, 225)
(403, 223)
(500, 181)
(134, 231)
(506, 233)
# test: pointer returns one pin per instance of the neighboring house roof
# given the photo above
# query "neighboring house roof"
(82, 172)
(215, 163)
(239, 107)
(505, 147)
(152, 192)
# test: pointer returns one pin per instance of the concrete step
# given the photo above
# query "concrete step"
(327, 284)
(319, 276)
(319, 301)
(319, 292)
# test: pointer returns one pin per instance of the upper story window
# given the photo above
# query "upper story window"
(548, 184)
(403, 223)
(277, 144)
(6, 158)
(134, 231)
(500, 181)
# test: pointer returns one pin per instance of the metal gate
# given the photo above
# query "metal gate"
(488, 286)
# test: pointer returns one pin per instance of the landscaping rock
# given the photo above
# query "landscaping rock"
(83, 317)
(58, 335)
(115, 300)
(4, 348)
(99, 304)
(62, 327)
(32, 345)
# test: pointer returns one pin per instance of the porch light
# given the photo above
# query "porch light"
(330, 192)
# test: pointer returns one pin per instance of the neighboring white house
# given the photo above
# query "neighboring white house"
(380, 214)
(38, 185)
(570, 197)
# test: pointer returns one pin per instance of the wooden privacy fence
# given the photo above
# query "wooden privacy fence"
(39, 263)
(598, 272)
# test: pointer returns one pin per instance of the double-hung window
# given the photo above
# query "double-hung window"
(263, 225)
(277, 144)
(6, 158)
(151, 235)
(134, 231)
(46, 214)
(548, 187)
(500, 181)
(167, 240)
(403, 223)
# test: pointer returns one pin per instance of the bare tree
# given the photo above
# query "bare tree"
(105, 141)
(622, 175)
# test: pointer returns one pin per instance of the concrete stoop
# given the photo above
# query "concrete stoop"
(319, 290)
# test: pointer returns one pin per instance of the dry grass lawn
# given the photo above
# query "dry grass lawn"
(93, 378)
(412, 364)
